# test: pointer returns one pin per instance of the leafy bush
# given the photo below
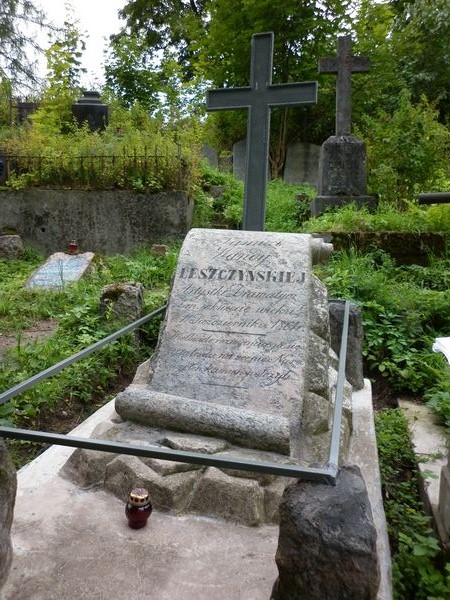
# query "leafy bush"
(407, 151)
(401, 315)
(134, 152)
(387, 217)
(414, 546)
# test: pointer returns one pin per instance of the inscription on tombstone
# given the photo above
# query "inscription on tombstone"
(238, 338)
(60, 269)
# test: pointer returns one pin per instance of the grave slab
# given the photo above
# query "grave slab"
(59, 269)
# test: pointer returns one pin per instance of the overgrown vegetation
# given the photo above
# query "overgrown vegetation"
(76, 309)
(417, 573)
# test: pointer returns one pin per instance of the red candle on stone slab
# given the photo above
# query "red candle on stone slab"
(138, 508)
(73, 247)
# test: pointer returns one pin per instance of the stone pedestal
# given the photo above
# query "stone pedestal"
(8, 484)
(354, 363)
(327, 544)
(342, 175)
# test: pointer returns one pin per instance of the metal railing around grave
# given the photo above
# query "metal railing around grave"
(327, 473)
(143, 170)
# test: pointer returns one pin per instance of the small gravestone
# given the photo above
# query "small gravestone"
(8, 484)
(302, 163)
(239, 159)
(60, 269)
(11, 246)
(342, 166)
(211, 156)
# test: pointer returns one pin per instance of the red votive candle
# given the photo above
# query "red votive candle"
(138, 508)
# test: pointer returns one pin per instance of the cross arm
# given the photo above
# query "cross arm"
(293, 93)
(360, 64)
(228, 98)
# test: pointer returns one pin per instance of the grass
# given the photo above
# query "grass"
(76, 310)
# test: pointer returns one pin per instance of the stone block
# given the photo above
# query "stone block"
(444, 500)
(11, 246)
(211, 155)
(8, 485)
(169, 467)
(232, 498)
(122, 301)
(195, 443)
(317, 365)
(354, 362)
(87, 467)
(342, 167)
(273, 494)
(302, 163)
(327, 543)
(166, 493)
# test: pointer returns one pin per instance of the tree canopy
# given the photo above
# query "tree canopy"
(16, 45)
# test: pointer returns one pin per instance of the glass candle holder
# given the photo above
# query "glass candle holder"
(138, 508)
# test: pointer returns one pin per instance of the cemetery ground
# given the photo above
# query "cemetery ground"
(404, 309)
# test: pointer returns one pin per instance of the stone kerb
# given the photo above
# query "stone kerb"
(8, 484)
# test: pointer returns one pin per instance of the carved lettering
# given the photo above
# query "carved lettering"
(212, 273)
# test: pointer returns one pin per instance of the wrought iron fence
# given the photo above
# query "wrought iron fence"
(143, 170)
(328, 473)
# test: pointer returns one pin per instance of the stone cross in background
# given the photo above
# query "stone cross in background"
(342, 175)
(259, 98)
(344, 65)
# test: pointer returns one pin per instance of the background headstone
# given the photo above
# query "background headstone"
(60, 269)
(211, 156)
(8, 485)
(327, 544)
(342, 165)
(302, 163)
(239, 153)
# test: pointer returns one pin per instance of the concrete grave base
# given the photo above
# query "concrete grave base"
(75, 544)
(7, 499)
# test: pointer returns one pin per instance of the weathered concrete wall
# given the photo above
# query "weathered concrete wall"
(104, 221)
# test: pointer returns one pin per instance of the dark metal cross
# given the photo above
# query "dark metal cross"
(344, 65)
(258, 98)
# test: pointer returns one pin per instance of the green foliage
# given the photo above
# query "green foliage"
(408, 150)
(63, 79)
(403, 309)
(18, 42)
(414, 546)
(134, 152)
(130, 73)
(283, 211)
(76, 309)
(387, 217)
